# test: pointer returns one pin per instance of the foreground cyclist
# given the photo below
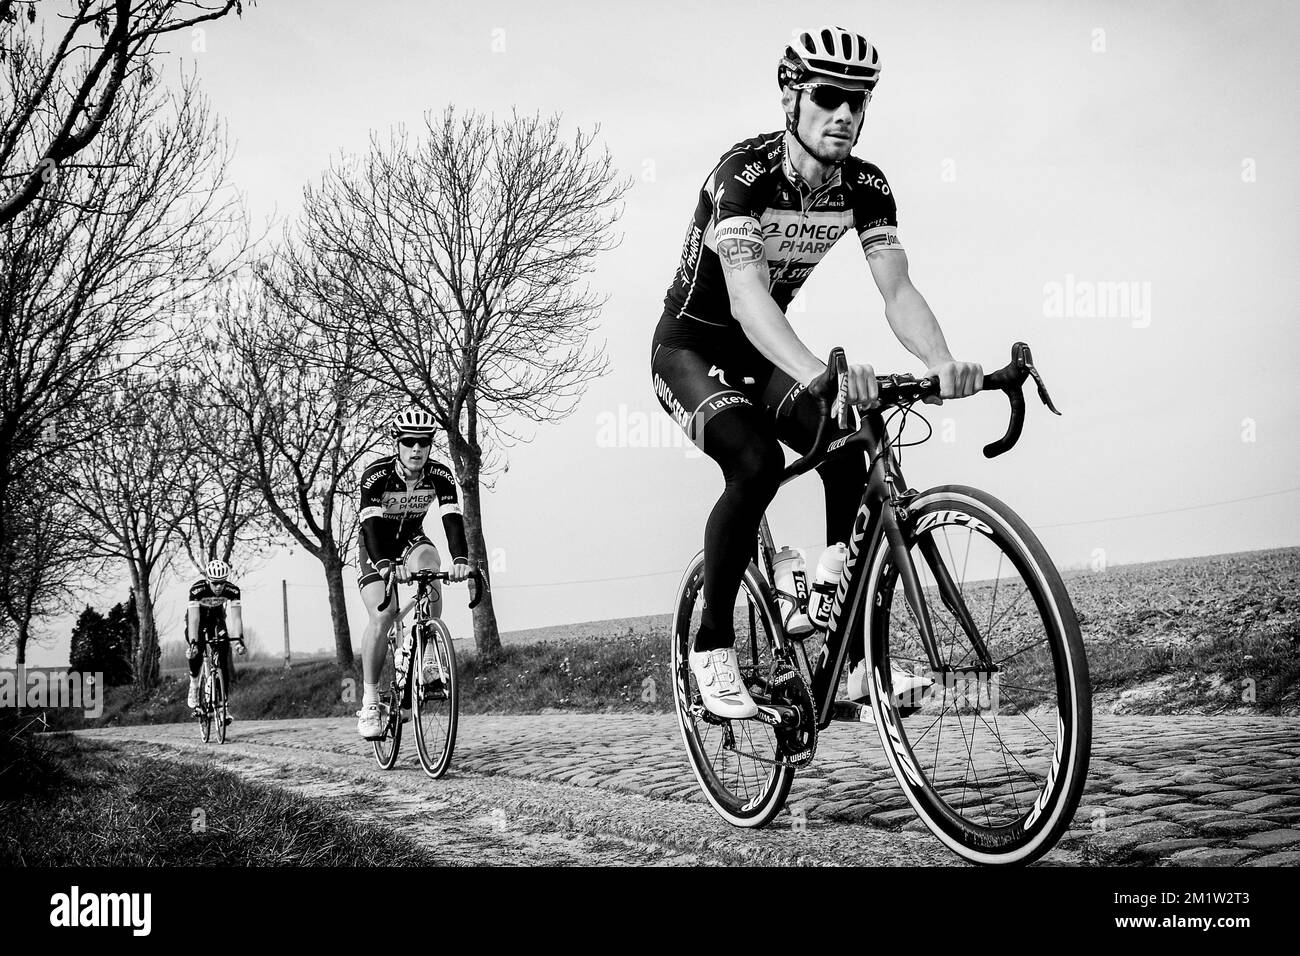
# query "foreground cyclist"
(726, 363)
(397, 492)
(211, 597)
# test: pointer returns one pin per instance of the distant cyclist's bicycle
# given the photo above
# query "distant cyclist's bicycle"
(213, 693)
(403, 684)
(990, 734)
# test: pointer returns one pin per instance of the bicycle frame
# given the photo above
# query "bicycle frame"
(401, 638)
(882, 507)
(212, 664)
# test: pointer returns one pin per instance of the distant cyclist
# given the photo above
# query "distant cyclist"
(726, 363)
(213, 612)
(396, 493)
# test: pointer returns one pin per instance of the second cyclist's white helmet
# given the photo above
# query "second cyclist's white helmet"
(830, 55)
(412, 421)
(217, 570)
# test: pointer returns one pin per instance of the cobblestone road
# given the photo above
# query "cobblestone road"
(1182, 791)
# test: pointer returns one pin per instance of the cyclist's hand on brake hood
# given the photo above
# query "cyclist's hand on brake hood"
(863, 390)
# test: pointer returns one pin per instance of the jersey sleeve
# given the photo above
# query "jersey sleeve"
(444, 488)
(874, 211)
(196, 593)
(734, 187)
(231, 593)
(372, 486)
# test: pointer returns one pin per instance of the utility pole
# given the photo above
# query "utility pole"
(284, 602)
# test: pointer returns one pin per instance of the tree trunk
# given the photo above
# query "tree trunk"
(333, 563)
(486, 638)
(24, 632)
(147, 652)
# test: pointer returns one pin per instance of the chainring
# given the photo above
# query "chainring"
(798, 744)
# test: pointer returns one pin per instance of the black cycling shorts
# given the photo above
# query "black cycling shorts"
(366, 570)
(699, 378)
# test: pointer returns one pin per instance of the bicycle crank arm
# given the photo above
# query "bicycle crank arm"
(774, 715)
(777, 715)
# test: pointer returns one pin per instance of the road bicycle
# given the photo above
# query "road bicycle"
(436, 702)
(213, 693)
(949, 590)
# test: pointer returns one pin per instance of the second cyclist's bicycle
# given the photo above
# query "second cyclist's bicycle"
(990, 733)
(214, 695)
(408, 686)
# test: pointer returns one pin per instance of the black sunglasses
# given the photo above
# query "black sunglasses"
(410, 441)
(830, 97)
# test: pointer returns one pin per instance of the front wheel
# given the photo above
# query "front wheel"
(992, 746)
(739, 763)
(437, 701)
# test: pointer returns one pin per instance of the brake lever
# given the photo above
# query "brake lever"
(1042, 389)
(1024, 362)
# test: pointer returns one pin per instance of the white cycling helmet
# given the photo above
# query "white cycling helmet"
(412, 421)
(830, 55)
(217, 570)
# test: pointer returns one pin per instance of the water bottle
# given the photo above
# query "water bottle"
(792, 591)
(829, 569)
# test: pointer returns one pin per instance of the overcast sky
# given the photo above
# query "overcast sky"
(1036, 152)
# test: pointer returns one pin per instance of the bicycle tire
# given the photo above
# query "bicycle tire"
(442, 720)
(219, 706)
(390, 709)
(202, 712)
(719, 775)
(1016, 699)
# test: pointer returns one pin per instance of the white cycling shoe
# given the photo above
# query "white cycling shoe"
(192, 701)
(718, 675)
(370, 723)
(910, 691)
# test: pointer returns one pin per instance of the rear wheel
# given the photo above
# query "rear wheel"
(437, 702)
(390, 713)
(203, 712)
(737, 762)
(993, 755)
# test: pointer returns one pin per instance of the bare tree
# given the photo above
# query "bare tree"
(89, 269)
(457, 260)
(43, 575)
(307, 418)
(226, 510)
(126, 491)
(60, 96)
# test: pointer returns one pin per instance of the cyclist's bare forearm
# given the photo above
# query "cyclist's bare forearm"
(906, 310)
(767, 327)
(915, 326)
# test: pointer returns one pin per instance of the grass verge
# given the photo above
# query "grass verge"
(68, 803)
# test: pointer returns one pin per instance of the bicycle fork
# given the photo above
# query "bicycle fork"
(897, 535)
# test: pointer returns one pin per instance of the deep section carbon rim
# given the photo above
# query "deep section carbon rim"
(386, 747)
(992, 748)
(735, 761)
(437, 701)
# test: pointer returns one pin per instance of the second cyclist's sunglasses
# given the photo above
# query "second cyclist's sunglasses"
(830, 97)
(415, 441)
